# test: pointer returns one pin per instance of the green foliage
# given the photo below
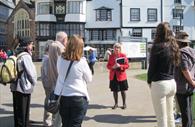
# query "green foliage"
(142, 76)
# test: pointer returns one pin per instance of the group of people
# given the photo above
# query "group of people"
(170, 66)
(171, 73)
(74, 101)
(59, 54)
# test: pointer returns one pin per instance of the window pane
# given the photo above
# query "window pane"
(177, 13)
(75, 7)
(45, 8)
(135, 14)
(137, 32)
(152, 14)
(103, 15)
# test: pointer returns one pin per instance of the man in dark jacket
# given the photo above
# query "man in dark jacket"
(185, 78)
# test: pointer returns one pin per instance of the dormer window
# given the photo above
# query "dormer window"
(103, 14)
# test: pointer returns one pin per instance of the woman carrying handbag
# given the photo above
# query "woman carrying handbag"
(74, 97)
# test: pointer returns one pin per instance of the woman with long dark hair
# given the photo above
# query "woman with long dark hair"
(164, 57)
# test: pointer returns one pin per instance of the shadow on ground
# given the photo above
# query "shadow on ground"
(3, 111)
(36, 123)
(33, 105)
(96, 106)
(7, 121)
(119, 119)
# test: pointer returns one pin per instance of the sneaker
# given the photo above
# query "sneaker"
(178, 120)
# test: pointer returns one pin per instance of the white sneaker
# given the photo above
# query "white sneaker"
(178, 120)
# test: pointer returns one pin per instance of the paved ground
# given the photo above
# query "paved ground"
(139, 112)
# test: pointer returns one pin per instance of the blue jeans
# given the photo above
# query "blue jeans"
(73, 110)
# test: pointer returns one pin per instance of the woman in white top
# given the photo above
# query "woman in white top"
(74, 100)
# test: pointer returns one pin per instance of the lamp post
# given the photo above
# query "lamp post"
(181, 8)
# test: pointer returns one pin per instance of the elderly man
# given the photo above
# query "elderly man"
(55, 49)
(184, 76)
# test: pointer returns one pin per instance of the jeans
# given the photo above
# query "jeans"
(73, 110)
(162, 97)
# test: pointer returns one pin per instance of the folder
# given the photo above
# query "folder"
(120, 60)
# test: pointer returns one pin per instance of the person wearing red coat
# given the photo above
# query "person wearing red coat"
(117, 65)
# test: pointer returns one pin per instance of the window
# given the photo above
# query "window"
(75, 7)
(177, 1)
(45, 8)
(153, 33)
(103, 14)
(134, 14)
(152, 14)
(2, 27)
(102, 34)
(45, 29)
(177, 13)
(177, 28)
(2, 40)
(4, 12)
(137, 32)
(21, 23)
(71, 28)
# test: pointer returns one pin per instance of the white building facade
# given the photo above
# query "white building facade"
(59, 15)
(140, 18)
(102, 24)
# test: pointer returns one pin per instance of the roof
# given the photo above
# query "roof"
(103, 8)
(29, 3)
(9, 4)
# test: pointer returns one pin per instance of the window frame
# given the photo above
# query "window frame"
(132, 16)
(50, 9)
(137, 34)
(102, 34)
(104, 14)
(149, 15)
(74, 7)
(177, 13)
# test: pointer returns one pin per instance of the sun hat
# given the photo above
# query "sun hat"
(182, 37)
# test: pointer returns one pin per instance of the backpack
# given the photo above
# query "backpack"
(9, 69)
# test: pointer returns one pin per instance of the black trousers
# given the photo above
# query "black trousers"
(91, 64)
(185, 104)
(21, 105)
(73, 110)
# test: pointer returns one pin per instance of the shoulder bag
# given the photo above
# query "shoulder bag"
(54, 101)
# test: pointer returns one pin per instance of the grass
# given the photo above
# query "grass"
(142, 76)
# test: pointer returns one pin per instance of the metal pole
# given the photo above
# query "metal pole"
(180, 21)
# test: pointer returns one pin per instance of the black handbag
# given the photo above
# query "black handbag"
(189, 90)
(54, 100)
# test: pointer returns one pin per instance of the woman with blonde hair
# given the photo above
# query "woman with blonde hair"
(163, 59)
(74, 99)
(117, 64)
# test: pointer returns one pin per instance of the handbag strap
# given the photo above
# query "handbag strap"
(71, 62)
